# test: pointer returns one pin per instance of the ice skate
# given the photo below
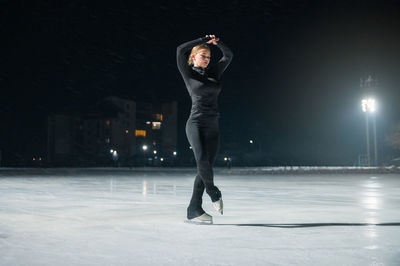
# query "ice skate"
(205, 218)
(219, 206)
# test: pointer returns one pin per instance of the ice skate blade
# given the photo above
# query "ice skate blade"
(219, 206)
(205, 218)
(199, 222)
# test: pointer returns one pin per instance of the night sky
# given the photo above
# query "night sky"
(293, 85)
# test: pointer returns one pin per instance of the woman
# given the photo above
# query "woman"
(202, 129)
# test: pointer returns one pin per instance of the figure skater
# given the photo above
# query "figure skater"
(202, 128)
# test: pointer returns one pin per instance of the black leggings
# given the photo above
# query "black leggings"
(203, 136)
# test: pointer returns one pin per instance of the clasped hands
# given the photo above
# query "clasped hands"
(214, 40)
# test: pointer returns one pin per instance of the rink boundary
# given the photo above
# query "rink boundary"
(217, 170)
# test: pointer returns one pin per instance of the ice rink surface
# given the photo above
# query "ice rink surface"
(67, 217)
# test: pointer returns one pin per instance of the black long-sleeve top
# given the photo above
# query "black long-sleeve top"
(203, 85)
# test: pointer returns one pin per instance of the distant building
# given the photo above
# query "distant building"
(156, 132)
(114, 128)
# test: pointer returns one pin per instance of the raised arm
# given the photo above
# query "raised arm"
(223, 63)
(181, 53)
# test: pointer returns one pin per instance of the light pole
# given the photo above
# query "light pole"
(144, 149)
(114, 157)
(375, 148)
(369, 107)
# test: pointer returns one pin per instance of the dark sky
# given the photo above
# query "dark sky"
(293, 85)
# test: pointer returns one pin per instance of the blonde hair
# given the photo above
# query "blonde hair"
(195, 50)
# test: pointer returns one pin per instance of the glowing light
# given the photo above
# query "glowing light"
(159, 117)
(251, 141)
(141, 133)
(174, 153)
(368, 105)
(155, 152)
(156, 125)
(111, 151)
(225, 159)
(144, 147)
(161, 159)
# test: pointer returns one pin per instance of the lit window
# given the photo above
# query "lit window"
(33, 159)
(159, 117)
(140, 133)
(148, 123)
(156, 125)
(126, 131)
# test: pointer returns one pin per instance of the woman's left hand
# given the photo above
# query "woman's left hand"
(214, 40)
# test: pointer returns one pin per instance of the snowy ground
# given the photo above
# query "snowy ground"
(126, 217)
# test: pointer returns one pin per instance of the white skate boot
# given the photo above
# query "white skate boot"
(219, 206)
(205, 218)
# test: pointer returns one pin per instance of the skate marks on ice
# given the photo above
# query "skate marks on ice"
(300, 225)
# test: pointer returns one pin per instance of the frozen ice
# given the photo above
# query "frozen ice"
(136, 217)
